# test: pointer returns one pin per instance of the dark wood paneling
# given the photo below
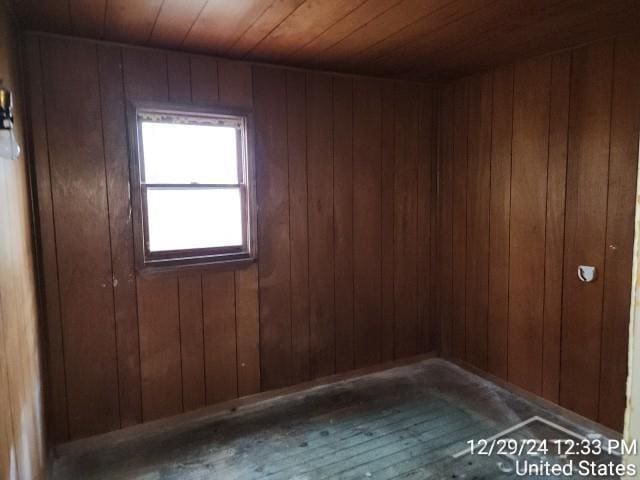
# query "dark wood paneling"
(428, 215)
(320, 211)
(587, 179)
(160, 360)
(564, 149)
(459, 212)
(273, 227)
(478, 210)
(387, 180)
(343, 220)
(236, 91)
(145, 75)
(179, 77)
(191, 341)
(79, 189)
(554, 234)
(528, 217)
(623, 160)
(146, 78)
(407, 121)
(367, 118)
(124, 280)
(344, 183)
(298, 223)
(444, 236)
(499, 222)
(235, 84)
(204, 80)
(248, 330)
(219, 313)
(57, 397)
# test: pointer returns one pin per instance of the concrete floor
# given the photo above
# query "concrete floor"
(404, 423)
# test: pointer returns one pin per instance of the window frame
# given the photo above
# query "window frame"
(148, 261)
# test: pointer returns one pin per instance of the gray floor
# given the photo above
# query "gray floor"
(405, 423)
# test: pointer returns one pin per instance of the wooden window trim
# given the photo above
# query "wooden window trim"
(204, 258)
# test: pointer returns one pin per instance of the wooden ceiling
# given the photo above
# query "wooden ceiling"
(420, 39)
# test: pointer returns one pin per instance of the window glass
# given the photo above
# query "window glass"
(187, 153)
(185, 219)
(194, 194)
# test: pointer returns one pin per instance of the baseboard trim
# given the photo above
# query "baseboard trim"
(535, 399)
(192, 419)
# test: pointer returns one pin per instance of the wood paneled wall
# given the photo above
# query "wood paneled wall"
(538, 165)
(345, 185)
(22, 447)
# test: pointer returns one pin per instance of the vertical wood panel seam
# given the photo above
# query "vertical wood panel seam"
(235, 336)
(382, 235)
(306, 165)
(128, 137)
(513, 103)
(606, 223)
(419, 249)
(451, 158)
(288, 155)
(381, 216)
(467, 100)
(257, 229)
(113, 287)
(546, 209)
(393, 219)
(393, 225)
(55, 241)
(353, 243)
(180, 342)
(204, 347)
(333, 222)
(564, 240)
(491, 91)
(564, 231)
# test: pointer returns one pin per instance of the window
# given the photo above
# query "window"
(193, 187)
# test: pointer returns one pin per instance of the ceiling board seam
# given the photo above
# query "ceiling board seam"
(195, 20)
(358, 28)
(490, 32)
(104, 19)
(255, 20)
(275, 28)
(330, 26)
(396, 31)
(422, 37)
(155, 21)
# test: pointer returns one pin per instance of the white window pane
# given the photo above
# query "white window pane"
(179, 153)
(181, 219)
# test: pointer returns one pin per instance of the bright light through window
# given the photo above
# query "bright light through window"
(190, 219)
(175, 153)
(193, 185)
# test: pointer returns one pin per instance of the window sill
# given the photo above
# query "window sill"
(176, 266)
